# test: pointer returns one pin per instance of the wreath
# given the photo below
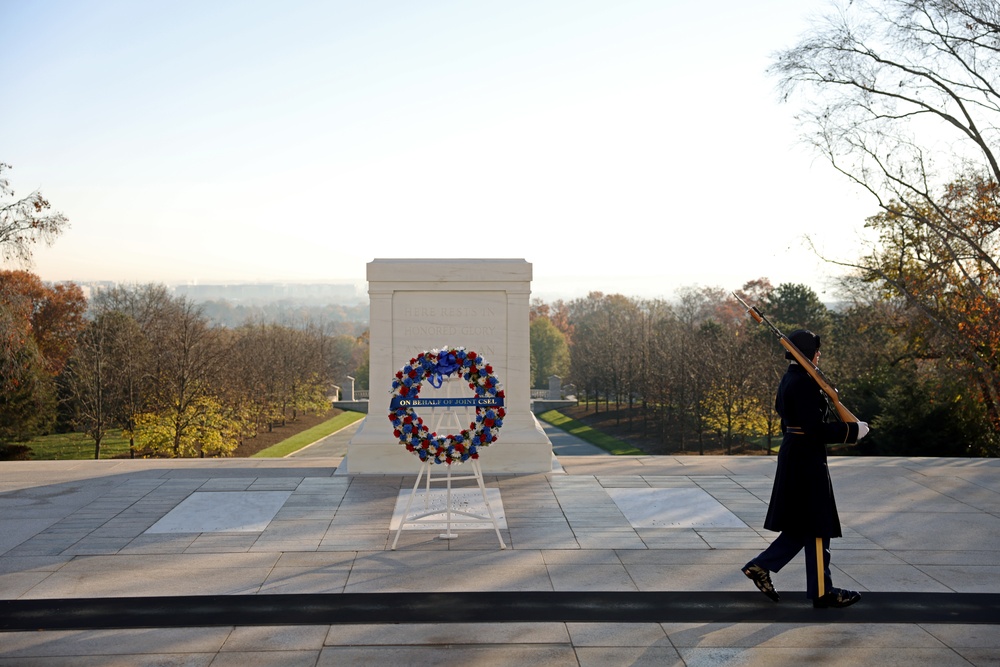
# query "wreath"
(435, 366)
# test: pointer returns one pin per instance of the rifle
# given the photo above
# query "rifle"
(813, 370)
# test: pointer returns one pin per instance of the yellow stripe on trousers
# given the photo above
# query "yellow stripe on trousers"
(820, 567)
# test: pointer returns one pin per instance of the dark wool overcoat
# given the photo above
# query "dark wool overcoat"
(802, 501)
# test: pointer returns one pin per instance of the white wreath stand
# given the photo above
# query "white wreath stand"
(451, 415)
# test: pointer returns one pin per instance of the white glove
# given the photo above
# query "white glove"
(862, 429)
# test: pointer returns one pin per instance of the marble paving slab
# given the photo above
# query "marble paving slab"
(222, 512)
(672, 508)
(465, 500)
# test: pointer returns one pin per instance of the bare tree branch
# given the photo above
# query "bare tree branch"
(24, 222)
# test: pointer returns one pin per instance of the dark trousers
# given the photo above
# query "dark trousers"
(785, 547)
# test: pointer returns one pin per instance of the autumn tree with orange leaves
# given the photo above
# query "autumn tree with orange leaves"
(945, 269)
(27, 365)
(55, 314)
(27, 391)
(903, 98)
(39, 324)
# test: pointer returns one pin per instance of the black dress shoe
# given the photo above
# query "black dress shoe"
(837, 597)
(762, 579)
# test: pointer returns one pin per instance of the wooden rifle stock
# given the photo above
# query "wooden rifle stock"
(842, 412)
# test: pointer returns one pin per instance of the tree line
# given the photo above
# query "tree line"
(152, 364)
(696, 373)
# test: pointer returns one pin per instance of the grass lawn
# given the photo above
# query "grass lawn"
(79, 446)
(309, 436)
(584, 432)
(76, 446)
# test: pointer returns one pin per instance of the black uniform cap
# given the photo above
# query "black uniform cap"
(806, 341)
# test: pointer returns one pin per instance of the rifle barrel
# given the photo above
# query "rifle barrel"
(813, 370)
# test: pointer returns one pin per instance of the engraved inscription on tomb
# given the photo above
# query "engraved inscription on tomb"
(430, 320)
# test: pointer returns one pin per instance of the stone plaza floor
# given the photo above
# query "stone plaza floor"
(608, 561)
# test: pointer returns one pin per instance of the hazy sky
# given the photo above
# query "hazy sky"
(617, 145)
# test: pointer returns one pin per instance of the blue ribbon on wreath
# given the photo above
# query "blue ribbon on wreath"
(446, 365)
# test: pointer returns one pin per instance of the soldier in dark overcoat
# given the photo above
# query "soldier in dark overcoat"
(803, 509)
